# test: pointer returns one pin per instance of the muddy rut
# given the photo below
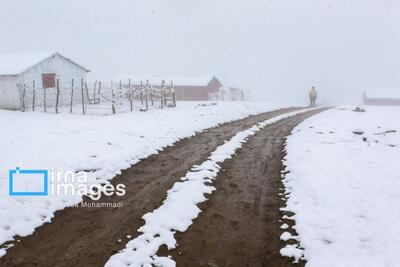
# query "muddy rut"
(89, 236)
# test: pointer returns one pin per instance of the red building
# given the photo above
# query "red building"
(207, 89)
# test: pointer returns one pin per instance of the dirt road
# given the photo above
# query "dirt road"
(89, 236)
(239, 224)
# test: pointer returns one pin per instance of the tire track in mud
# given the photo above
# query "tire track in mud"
(239, 224)
(88, 236)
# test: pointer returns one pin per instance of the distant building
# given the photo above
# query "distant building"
(41, 68)
(233, 94)
(187, 88)
(382, 98)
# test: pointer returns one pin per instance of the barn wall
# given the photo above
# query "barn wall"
(192, 93)
(214, 86)
(9, 95)
(64, 69)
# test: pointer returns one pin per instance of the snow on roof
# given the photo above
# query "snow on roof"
(177, 79)
(391, 94)
(12, 64)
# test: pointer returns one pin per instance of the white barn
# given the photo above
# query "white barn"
(41, 68)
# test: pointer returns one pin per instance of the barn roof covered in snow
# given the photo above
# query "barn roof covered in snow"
(14, 64)
(383, 94)
(179, 80)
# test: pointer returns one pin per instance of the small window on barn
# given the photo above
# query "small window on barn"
(49, 80)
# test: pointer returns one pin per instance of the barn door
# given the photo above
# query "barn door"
(49, 80)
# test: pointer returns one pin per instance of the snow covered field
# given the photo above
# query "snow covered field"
(102, 145)
(344, 185)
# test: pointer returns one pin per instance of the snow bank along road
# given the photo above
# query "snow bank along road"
(343, 187)
(88, 237)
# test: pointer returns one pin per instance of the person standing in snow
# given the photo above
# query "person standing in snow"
(313, 96)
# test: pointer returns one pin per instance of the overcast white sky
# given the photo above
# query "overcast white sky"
(276, 48)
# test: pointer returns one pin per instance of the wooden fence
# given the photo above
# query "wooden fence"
(97, 97)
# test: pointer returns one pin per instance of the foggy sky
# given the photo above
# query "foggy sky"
(276, 48)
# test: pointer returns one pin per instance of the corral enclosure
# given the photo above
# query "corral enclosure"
(95, 98)
(187, 88)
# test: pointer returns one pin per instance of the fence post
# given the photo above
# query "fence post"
(141, 92)
(162, 94)
(94, 92)
(99, 93)
(87, 93)
(130, 99)
(162, 99)
(72, 96)
(44, 99)
(147, 100)
(112, 98)
(148, 88)
(34, 96)
(165, 96)
(23, 98)
(83, 98)
(173, 94)
(130, 95)
(58, 94)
